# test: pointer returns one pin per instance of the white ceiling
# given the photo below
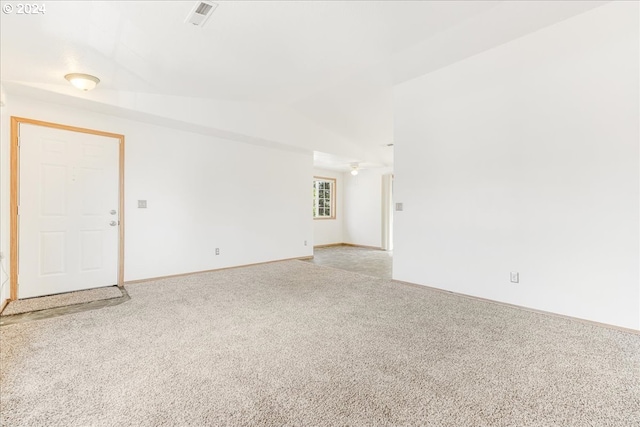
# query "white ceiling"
(333, 63)
(248, 51)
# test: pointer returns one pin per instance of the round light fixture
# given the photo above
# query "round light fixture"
(354, 169)
(81, 81)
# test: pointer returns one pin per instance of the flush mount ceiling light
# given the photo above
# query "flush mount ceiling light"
(354, 169)
(81, 81)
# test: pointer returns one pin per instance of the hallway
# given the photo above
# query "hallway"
(372, 262)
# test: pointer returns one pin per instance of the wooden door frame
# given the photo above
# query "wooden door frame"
(15, 185)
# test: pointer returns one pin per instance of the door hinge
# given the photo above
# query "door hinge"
(18, 210)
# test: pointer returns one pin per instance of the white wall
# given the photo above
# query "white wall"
(4, 195)
(526, 158)
(262, 124)
(203, 192)
(363, 208)
(330, 231)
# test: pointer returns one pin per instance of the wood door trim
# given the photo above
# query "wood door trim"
(15, 185)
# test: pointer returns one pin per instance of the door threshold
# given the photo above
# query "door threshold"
(48, 313)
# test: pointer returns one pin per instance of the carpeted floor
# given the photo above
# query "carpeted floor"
(60, 300)
(372, 262)
(293, 343)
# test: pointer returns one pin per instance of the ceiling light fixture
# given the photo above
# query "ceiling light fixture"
(83, 82)
(354, 169)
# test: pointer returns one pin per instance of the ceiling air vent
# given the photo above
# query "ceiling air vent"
(201, 12)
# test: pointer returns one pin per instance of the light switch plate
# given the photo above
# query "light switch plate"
(142, 204)
(399, 207)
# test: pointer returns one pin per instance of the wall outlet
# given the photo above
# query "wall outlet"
(217, 251)
(515, 277)
(305, 243)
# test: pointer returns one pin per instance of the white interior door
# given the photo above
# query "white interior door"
(68, 211)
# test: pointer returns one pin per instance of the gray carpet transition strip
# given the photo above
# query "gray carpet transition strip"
(295, 344)
(60, 300)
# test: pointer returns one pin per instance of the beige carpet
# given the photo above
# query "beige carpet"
(60, 300)
(297, 344)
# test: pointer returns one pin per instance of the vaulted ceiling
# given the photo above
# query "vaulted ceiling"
(311, 75)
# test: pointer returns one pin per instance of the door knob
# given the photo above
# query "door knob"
(113, 212)
(113, 223)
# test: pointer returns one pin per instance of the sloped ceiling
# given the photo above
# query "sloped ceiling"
(316, 76)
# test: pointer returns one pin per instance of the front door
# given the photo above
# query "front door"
(68, 211)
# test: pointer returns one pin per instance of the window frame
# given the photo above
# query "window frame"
(332, 197)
